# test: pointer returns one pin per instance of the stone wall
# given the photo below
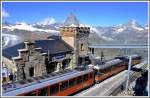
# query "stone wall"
(68, 35)
(82, 39)
(77, 37)
(30, 57)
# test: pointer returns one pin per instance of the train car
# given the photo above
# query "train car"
(136, 59)
(67, 82)
(108, 69)
(56, 84)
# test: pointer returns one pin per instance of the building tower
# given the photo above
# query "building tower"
(77, 37)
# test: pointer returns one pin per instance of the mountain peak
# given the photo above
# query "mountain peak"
(71, 20)
(133, 22)
(134, 25)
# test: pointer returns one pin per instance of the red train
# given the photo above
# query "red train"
(114, 66)
(57, 84)
(67, 82)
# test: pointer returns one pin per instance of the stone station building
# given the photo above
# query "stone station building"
(39, 57)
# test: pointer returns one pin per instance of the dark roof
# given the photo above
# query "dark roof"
(55, 46)
(54, 37)
(12, 51)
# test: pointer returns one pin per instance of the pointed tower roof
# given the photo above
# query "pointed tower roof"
(71, 20)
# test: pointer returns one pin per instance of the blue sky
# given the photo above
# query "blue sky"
(98, 13)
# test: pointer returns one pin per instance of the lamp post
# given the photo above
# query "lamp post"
(128, 75)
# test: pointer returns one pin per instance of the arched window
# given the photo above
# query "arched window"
(31, 71)
(81, 47)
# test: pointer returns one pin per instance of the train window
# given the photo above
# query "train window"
(109, 69)
(79, 80)
(118, 65)
(96, 72)
(54, 89)
(104, 70)
(101, 72)
(91, 75)
(64, 85)
(72, 82)
(85, 77)
(31, 94)
(43, 92)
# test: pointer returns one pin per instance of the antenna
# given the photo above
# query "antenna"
(48, 55)
(102, 57)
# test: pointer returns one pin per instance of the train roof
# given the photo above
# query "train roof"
(42, 81)
(133, 56)
(108, 64)
(127, 56)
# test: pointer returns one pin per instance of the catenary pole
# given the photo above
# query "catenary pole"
(128, 75)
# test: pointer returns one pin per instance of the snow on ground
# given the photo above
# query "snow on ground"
(10, 39)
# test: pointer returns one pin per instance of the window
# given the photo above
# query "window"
(92, 50)
(85, 77)
(43, 92)
(64, 85)
(54, 89)
(31, 71)
(72, 82)
(67, 29)
(91, 75)
(4, 79)
(99, 72)
(81, 47)
(104, 70)
(96, 72)
(79, 80)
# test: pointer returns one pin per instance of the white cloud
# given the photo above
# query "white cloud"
(4, 13)
(47, 21)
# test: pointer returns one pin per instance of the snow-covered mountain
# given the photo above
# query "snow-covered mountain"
(128, 33)
(71, 20)
(54, 27)
(16, 33)
(28, 27)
